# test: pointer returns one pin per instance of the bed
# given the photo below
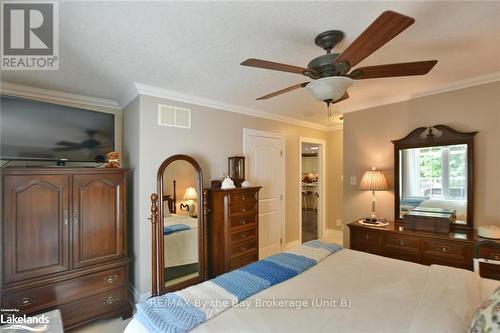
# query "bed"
(382, 294)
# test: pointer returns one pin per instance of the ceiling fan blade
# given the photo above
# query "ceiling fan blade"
(282, 91)
(382, 30)
(274, 66)
(392, 70)
(343, 98)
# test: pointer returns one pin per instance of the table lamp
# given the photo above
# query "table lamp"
(190, 195)
(373, 180)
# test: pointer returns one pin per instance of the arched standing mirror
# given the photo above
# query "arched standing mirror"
(180, 231)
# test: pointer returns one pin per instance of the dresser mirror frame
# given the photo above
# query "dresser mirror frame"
(157, 213)
(438, 135)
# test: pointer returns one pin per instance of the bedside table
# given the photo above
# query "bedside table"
(487, 258)
(423, 247)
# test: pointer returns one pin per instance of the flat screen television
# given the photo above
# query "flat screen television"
(33, 130)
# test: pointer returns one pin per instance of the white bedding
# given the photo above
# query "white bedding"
(181, 248)
(386, 295)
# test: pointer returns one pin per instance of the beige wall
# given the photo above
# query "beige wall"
(367, 143)
(334, 179)
(214, 136)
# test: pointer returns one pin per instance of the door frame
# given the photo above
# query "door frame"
(282, 137)
(322, 185)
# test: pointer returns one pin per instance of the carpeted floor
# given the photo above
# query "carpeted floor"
(309, 225)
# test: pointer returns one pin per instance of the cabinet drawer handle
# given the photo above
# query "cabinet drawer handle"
(495, 256)
(243, 198)
(243, 209)
(243, 248)
(110, 279)
(402, 242)
(25, 301)
(243, 234)
(367, 237)
(75, 216)
(243, 221)
(65, 213)
(110, 300)
(444, 249)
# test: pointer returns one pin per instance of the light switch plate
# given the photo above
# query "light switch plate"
(354, 181)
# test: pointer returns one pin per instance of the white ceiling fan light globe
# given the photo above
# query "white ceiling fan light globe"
(333, 87)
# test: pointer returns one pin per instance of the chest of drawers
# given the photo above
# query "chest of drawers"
(233, 229)
(453, 249)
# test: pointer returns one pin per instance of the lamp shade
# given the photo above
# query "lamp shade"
(373, 180)
(190, 194)
(333, 87)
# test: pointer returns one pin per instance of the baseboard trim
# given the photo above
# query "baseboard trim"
(291, 245)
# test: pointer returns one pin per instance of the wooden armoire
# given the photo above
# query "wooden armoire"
(64, 242)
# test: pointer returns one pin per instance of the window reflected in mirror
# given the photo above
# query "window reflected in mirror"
(180, 222)
(434, 179)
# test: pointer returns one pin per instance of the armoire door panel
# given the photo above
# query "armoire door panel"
(97, 218)
(36, 209)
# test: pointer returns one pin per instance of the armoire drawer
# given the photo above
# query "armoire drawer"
(242, 235)
(243, 208)
(93, 306)
(244, 248)
(31, 299)
(242, 221)
(242, 197)
(243, 260)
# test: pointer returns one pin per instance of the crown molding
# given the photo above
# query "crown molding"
(147, 90)
(452, 86)
(57, 97)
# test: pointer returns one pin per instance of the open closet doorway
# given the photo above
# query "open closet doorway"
(312, 186)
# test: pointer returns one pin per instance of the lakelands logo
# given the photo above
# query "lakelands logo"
(36, 324)
(30, 35)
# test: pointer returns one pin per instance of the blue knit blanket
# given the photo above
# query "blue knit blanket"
(185, 309)
(167, 230)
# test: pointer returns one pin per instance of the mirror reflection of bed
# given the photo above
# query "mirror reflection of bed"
(434, 179)
(180, 223)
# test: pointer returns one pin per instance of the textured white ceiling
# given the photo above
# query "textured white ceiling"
(196, 47)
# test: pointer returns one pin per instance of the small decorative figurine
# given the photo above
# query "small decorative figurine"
(246, 183)
(113, 159)
(227, 183)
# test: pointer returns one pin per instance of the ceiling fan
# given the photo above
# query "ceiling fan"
(331, 73)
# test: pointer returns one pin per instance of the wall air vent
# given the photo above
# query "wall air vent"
(174, 116)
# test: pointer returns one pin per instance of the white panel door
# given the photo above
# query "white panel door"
(265, 167)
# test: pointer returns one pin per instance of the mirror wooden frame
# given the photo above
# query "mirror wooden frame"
(418, 138)
(158, 276)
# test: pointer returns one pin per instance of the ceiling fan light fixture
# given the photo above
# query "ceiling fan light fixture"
(329, 88)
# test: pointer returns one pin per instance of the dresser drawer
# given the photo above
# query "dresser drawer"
(243, 221)
(367, 235)
(400, 243)
(243, 248)
(489, 253)
(29, 300)
(413, 257)
(489, 271)
(243, 260)
(243, 208)
(445, 250)
(93, 306)
(242, 197)
(242, 235)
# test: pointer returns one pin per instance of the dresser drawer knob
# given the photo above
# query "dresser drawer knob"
(25, 301)
(402, 242)
(110, 300)
(495, 256)
(110, 279)
(243, 198)
(243, 234)
(243, 209)
(243, 248)
(444, 249)
(243, 221)
(367, 237)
